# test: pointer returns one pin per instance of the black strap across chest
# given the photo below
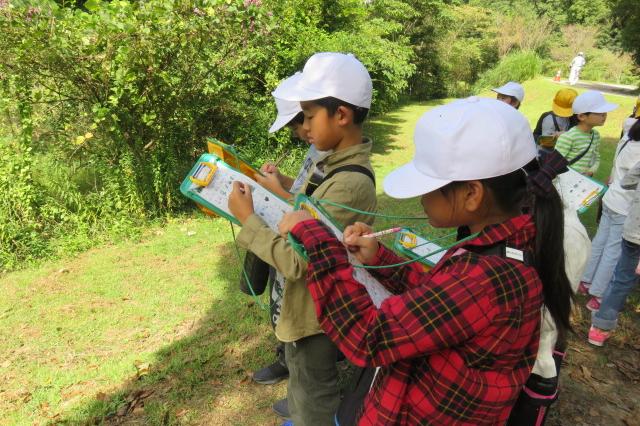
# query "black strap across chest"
(312, 186)
(582, 154)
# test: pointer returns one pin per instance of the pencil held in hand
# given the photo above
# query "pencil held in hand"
(281, 159)
(381, 233)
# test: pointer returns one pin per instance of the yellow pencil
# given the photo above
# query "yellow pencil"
(590, 197)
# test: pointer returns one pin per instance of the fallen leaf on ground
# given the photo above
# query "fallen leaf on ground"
(628, 370)
(142, 369)
(25, 396)
(586, 372)
(122, 410)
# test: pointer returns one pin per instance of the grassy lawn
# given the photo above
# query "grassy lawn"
(154, 331)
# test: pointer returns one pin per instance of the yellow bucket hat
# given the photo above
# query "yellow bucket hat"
(562, 102)
(637, 109)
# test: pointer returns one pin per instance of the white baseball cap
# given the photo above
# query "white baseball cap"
(287, 110)
(592, 101)
(511, 89)
(330, 74)
(467, 139)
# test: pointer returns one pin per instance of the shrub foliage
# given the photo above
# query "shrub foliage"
(104, 105)
(113, 103)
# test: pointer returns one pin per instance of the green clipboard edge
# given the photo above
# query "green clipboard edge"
(398, 246)
(185, 186)
(596, 197)
(300, 200)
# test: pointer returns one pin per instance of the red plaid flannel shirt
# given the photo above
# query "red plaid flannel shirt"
(456, 344)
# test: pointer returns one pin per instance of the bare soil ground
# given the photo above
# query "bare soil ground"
(601, 386)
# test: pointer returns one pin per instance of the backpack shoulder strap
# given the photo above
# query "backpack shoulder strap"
(622, 147)
(555, 122)
(351, 168)
(312, 186)
(538, 130)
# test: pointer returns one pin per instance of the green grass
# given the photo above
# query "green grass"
(74, 329)
(83, 337)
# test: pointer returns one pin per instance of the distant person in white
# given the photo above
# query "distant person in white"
(576, 66)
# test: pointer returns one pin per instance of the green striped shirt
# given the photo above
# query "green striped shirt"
(573, 142)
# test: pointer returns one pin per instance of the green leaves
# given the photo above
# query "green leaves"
(93, 5)
(128, 91)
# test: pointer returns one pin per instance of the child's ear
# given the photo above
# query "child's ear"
(474, 195)
(344, 115)
(581, 117)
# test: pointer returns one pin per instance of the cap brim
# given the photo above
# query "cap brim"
(501, 91)
(281, 121)
(560, 111)
(408, 182)
(608, 107)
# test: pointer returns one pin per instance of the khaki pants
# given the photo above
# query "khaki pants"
(312, 393)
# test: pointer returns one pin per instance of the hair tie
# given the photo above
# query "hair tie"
(540, 181)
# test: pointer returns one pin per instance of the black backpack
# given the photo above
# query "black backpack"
(537, 132)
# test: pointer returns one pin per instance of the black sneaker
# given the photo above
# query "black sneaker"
(281, 408)
(271, 374)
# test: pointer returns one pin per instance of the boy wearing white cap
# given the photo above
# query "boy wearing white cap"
(334, 91)
(511, 93)
(289, 115)
(455, 344)
(581, 144)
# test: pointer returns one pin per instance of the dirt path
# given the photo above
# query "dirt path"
(614, 89)
(601, 385)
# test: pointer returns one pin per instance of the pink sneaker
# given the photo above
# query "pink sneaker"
(594, 304)
(597, 337)
(583, 287)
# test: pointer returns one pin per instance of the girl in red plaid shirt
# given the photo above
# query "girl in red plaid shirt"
(456, 344)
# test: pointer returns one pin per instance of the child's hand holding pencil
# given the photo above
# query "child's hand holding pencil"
(360, 241)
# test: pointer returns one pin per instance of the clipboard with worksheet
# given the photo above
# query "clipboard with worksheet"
(579, 190)
(210, 181)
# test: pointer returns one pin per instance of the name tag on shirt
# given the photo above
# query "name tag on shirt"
(515, 254)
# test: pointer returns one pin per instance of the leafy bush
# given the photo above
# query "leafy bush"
(518, 66)
(118, 101)
(466, 49)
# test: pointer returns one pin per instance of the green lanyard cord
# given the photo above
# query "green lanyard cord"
(436, 240)
(246, 276)
(395, 265)
(342, 206)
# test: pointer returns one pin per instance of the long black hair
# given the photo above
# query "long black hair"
(511, 192)
(512, 195)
